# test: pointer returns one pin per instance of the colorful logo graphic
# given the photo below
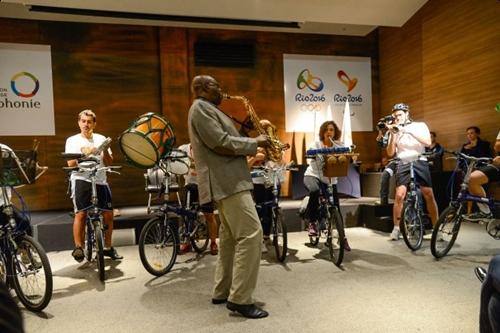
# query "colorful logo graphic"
(306, 79)
(17, 92)
(345, 79)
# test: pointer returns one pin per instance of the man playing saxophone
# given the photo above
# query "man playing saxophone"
(220, 156)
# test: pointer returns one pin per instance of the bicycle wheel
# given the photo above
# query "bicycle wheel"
(335, 236)
(89, 242)
(199, 234)
(158, 246)
(445, 231)
(411, 226)
(32, 275)
(280, 238)
(3, 269)
(99, 249)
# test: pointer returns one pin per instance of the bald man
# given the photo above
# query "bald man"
(223, 177)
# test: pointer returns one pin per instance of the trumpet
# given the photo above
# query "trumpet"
(275, 149)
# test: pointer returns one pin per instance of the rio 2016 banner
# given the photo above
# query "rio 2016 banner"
(317, 88)
(26, 98)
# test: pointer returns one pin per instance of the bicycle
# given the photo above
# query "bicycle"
(160, 238)
(24, 265)
(94, 226)
(272, 176)
(411, 223)
(329, 223)
(448, 224)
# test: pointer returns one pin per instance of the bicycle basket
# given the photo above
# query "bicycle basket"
(17, 171)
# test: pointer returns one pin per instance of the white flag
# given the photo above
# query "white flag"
(346, 136)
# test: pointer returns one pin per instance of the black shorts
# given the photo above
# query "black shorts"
(492, 172)
(82, 195)
(192, 190)
(422, 173)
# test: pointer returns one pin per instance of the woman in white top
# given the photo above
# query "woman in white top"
(314, 181)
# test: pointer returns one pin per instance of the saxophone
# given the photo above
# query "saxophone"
(275, 150)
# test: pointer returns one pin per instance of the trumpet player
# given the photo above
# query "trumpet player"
(220, 155)
(409, 138)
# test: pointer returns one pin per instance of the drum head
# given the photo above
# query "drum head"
(180, 166)
(150, 138)
(138, 150)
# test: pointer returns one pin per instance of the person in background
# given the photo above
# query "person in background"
(191, 185)
(436, 151)
(475, 146)
(261, 193)
(483, 175)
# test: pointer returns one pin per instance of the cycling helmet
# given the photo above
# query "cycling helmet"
(401, 106)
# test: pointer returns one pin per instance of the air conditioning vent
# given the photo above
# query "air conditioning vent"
(224, 54)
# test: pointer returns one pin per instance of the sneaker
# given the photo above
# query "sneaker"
(478, 216)
(78, 254)
(111, 253)
(312, 230)
(395, 234)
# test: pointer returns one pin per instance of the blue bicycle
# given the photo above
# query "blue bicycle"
(24, 265)
(160, 238)
(272, 176)
(448, 224)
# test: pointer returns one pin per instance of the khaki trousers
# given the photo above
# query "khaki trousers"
(240, 237)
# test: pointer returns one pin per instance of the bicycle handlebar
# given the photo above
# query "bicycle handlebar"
(468, 157)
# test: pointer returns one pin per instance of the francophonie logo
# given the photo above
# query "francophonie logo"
(25, 94)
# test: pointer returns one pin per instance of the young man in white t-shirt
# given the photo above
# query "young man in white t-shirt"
(87, 142)
(408, 138)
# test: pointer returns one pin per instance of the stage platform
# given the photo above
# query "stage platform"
(54, 228)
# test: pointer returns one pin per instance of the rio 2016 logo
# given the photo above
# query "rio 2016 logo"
(17, 91)
(346, 80)
(306, 79)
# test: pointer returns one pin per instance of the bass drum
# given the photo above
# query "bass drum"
(149, 139)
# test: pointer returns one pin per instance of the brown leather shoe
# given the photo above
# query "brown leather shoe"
(214, 249)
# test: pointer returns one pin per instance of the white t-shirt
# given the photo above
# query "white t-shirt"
(75, 143)
(7, 189)
(315, 167)
(407, 145)
(190, 177)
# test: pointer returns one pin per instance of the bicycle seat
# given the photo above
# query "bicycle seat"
(87, 165)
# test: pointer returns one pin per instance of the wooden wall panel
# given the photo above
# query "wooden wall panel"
(111, 69)
(447, 55)
(123, 71)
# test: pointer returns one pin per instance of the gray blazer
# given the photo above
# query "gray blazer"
(219, 152)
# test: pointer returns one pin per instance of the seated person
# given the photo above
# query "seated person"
(475, 146)
(484, 175)
(436, 157)
(314, 181)
(260, 192)
(207, 209)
